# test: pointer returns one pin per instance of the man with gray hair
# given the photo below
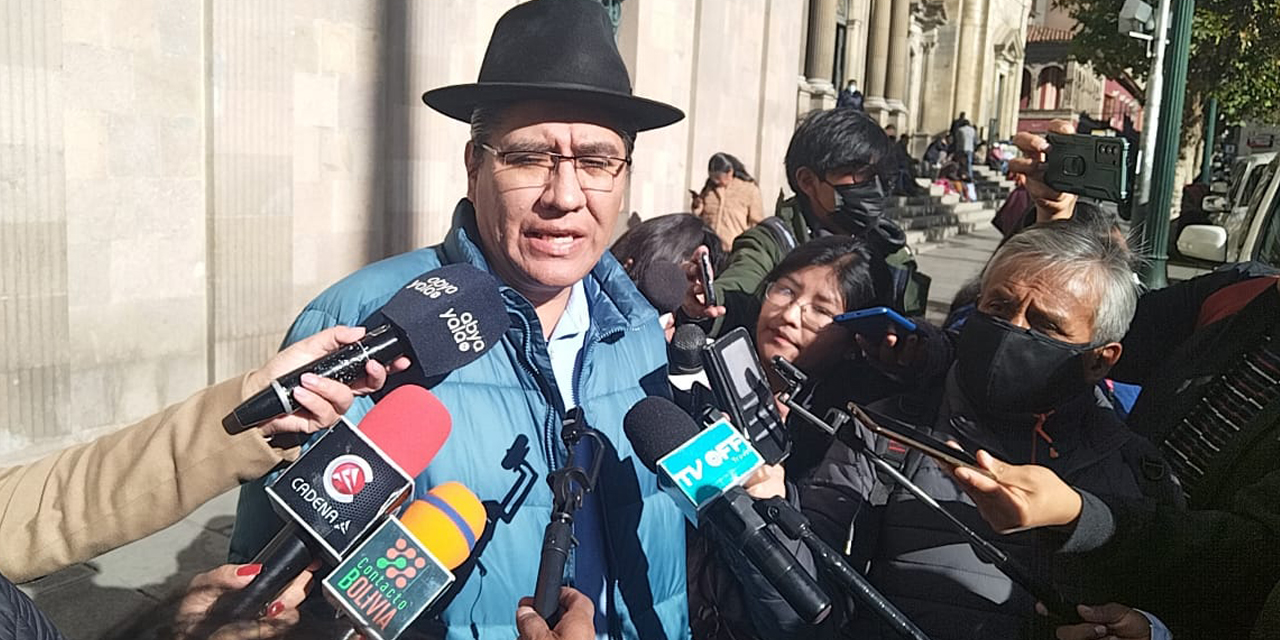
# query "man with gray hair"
(1054, 303)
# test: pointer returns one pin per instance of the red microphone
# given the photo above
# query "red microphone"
(340, 489)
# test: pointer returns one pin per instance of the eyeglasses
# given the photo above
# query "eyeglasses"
(812, 316)
(534, 168)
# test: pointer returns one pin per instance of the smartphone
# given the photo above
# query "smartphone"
(708, 278)
(742, 392)
(874, 322)
(1093, 166)
(920, 441)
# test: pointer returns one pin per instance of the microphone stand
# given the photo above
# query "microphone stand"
(797, 527)
(569, 485)
(1041, 590)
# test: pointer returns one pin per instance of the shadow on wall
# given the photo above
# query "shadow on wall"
(392, 225)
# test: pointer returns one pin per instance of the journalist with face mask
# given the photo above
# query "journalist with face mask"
(1054, 303)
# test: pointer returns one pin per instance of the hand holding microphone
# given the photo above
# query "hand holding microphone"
(320, 400)
(404, 566)
(704, 473)
(443, 320)
(206, 588)
(340, 488)
(577, 618)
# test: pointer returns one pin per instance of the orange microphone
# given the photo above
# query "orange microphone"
(404, 566)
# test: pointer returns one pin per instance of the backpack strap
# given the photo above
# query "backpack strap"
(777, 227)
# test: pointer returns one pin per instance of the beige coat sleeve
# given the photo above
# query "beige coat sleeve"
(82, 501)
(755, 207)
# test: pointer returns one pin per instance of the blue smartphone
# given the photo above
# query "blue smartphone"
(874, 322)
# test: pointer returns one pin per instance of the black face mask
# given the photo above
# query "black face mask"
(860, 212)
(1002, 368)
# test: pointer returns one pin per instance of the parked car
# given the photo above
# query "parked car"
(1254, 236)
(1228, 209)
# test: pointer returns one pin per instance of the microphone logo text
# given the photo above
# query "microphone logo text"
(433, 287)
(346, 476)
(465, 329)
(728, 449)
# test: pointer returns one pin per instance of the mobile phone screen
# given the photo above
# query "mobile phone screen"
(708, 279)
(920, 441)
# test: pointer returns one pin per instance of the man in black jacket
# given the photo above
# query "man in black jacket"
(1055, 302)
(1207, 353)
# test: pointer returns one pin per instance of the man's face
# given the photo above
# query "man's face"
(821, 191)
(1057, 305)
(542, 238)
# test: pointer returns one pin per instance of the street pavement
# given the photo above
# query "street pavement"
(88, 600)
(954, 263)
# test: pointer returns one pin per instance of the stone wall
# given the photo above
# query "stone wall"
(177, 178)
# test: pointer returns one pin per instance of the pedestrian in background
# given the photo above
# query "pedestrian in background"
(731, 201)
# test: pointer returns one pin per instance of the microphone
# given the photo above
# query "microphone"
(406, 563)
(797, 527)
(340, 488)
(444, 319)
(703, 472)
(689, 383)
(664, 284)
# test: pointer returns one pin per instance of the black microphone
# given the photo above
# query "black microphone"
(443, 319)
(690, 386)
(702, 472)
(664, 284)
(339, 489)
(569, 485)
(797, 527)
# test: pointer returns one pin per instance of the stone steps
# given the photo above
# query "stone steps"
(930, 220)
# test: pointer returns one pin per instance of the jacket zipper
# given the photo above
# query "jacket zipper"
(611, 614)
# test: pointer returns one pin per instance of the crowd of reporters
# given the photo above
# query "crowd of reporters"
(1154, 517)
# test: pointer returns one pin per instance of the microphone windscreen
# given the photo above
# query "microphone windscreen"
(450, 316)
(410, 425)
(447, 522)
(664, 284)
(656, 426)
(685, 350)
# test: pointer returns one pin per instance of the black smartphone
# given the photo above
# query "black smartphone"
(1094, 166)
(708, 278)
(874, 322)
(922, 442)
(742, 392)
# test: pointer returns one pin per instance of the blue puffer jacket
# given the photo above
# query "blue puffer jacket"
(509, 396)
(20, 618)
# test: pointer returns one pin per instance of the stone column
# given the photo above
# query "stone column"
(969, 63)
(820, 56)
(895, 89)
(877, 66)
(855, 48)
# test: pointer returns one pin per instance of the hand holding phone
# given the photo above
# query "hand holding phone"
(920, 441)
(1094, 166)
(872, 323)
(708, 279)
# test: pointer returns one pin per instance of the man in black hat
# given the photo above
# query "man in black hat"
(553, 123)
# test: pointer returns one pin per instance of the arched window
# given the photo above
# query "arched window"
(1049, 88)
(1028, 90)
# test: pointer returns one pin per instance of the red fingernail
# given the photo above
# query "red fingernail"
(275, 609)
(249, 570)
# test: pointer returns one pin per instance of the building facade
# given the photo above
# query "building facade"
(1057, 87)
(178, 178)
(920, 63)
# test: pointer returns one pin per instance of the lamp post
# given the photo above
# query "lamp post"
(1155, 228)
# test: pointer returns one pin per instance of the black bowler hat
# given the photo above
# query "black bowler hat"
(554, 50)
